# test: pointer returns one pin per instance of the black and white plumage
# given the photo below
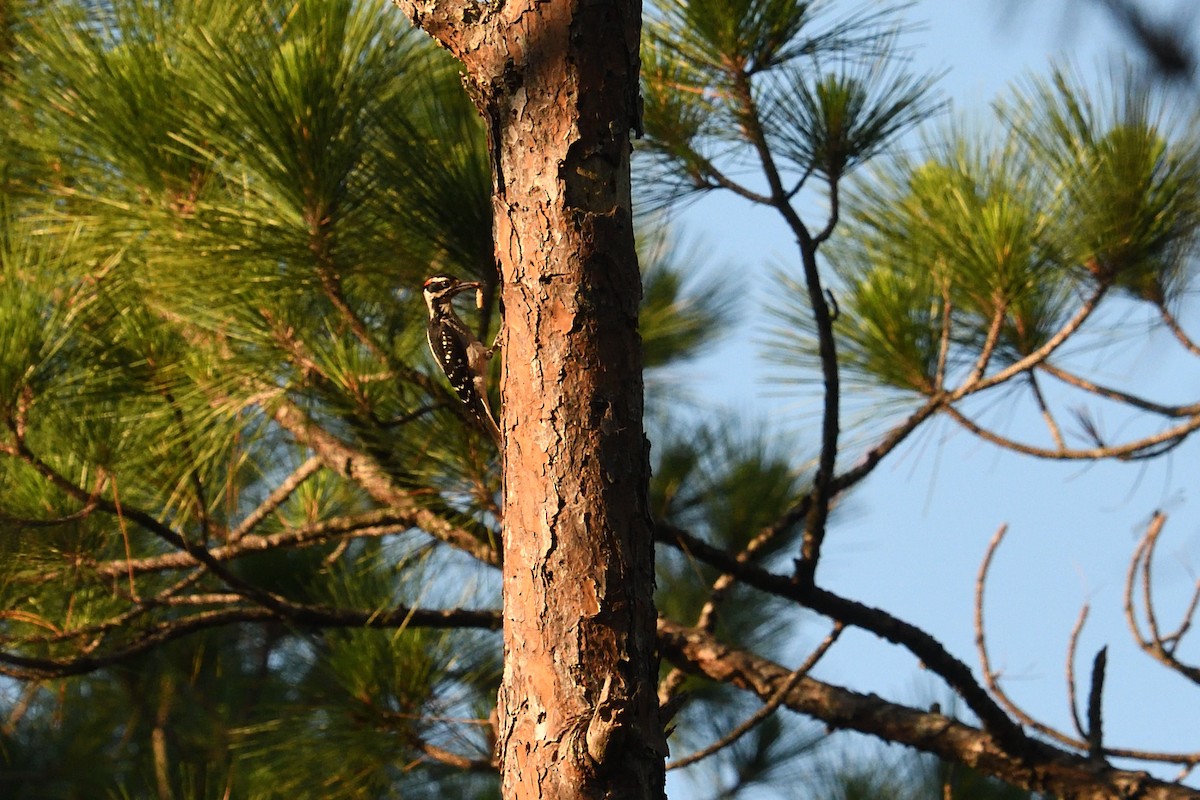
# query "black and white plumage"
(457, 351)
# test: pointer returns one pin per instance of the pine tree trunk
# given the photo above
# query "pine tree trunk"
(578, 709)
(556, 82)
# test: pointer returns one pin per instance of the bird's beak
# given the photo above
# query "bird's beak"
(465, 285)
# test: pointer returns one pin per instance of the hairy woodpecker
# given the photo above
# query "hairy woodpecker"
(457, 351)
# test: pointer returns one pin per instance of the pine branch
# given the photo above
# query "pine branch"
(382, 522)
(357, 466)
(23, 667)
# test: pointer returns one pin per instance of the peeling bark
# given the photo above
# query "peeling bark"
(556, 83)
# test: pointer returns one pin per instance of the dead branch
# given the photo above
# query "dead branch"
(1169, 319)
(990, 675)
(1039, 767)
(768, 708)
(1095, 732)
(1082, 743)
(1146, 447)
(1116, 395)
(929, 650)
(1155, 644)
(1047, 415)
(1072, 649)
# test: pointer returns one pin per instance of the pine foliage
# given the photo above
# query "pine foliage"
(215, 221)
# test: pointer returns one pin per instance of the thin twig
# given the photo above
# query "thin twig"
(768, 709)
(1039, 355)
(28, 692)
(1146, 447)
(1177, 329)
(1119, 396)
(1172, 640)
(1055, 432)
(721, 181)
(939, 375)
(890, 441)
(1152, 534)
(1072, 648)
(989, 347)
(985, 664)
(834, 213)
(993, 685)
(277, 497)
(1159, 647)
(124, 537)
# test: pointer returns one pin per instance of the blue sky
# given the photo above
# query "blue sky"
(912, 539)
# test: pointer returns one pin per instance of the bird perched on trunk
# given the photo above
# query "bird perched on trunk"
(458, 351)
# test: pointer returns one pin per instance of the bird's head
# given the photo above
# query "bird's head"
(440, 289)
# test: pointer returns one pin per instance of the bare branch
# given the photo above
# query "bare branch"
(926, 648)
(990, 678)
(1038, 767)
(1039, 355)
(1159, 647)
(1095, 734)
(716, 179)
(1152, 533)
(989, 347)
(834, 213)
(372, 523)
(1072, 649)
(887, 444)
(451, 759)
(1051, 424)
(1189, 410)
(768, 709)
(707, 618)
(1146, 447)
(939, 375)
(1171, 640)
(1177, 329)
(28, 692)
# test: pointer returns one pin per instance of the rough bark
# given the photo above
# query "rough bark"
(556, 83)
